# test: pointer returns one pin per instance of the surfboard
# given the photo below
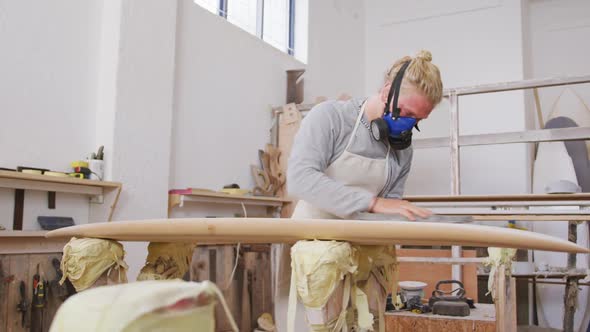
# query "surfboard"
(569, 104)
(562, 161)
(577, 152)
(282, 230)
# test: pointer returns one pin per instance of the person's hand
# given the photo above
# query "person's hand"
(399, 206)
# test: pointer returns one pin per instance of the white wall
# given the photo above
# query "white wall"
(47, 55)
(143, 114)
(65, 87)
(46, 59)
(143, 107)
(558, 44)
(301, 30)
(225, 81)
(471, 45)
(336, 55)
(74, 75)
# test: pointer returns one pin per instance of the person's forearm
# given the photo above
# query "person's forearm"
(372, 205)
(398, 206)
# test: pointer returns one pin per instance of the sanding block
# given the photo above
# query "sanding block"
(51, 223)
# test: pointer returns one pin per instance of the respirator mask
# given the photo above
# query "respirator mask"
(391, 126)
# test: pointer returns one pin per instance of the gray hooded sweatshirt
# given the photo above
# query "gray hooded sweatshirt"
(321, 139)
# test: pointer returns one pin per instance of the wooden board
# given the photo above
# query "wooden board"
(289, 122)
(235, 198)
(278, 230)
(57, 180)
(28, 242)
(499, 198)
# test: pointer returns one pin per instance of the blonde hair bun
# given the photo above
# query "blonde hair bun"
(421, 73)
(424, 55)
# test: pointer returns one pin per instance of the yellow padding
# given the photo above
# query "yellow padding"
(85, 260)
(498, 258)
(381, 263)
(371, 257)
(142, 306)
(319, 267)
(166, 261)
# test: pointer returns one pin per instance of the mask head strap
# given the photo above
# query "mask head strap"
(395, 89)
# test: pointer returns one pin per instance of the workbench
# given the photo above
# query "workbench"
(481, 319)
(573, 208)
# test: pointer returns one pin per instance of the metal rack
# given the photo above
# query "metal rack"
(455, 141)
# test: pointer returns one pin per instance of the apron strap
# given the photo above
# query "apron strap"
(356, 125)
(292, 306)
(353, 134)
(341, 324)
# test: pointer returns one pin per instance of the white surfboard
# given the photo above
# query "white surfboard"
(553, 163)
(571, 105)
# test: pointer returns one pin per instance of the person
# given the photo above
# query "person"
(349, 157)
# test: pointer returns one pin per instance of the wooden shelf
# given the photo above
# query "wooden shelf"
(21, 234)
(221, 198)
(18, 180)
(29, 242)
(100, 192)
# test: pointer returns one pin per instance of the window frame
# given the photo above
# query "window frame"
(289, 48)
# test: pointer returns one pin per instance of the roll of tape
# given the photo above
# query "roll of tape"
(79, 163)
(31, 171)
(59, 174)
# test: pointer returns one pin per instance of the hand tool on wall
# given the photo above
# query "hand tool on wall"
(23, 305)
(2, 282)
(61, 291)
(39, 298)
(38, 302)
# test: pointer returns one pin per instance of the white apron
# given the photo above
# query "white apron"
(352, 170)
